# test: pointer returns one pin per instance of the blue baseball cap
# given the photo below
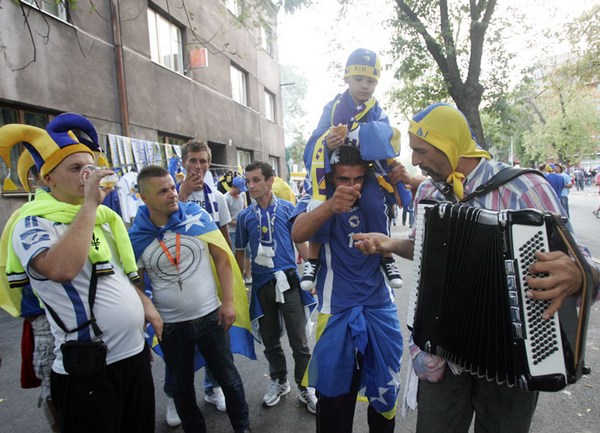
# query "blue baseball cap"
(240, 183)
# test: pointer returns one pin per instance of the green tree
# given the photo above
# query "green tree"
(294, 154)
(455, 37)
(293, 92)
(565, 97)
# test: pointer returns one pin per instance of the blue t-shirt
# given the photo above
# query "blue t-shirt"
(557, 182)
(347, 277)
(248, 232)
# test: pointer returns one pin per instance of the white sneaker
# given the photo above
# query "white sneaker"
(172, 417)
(217, 398)
(308, 397)
(275, 391)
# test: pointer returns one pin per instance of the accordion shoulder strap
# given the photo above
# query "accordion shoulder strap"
(503, 176)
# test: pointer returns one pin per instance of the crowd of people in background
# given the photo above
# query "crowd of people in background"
(563, 180)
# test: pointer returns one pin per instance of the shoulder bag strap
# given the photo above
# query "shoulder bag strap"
(91, 300)
(502, 177)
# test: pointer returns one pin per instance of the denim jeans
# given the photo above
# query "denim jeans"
(564, 200)
(178, 345)
(210, 383)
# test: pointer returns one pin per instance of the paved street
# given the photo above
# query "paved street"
(575, 409)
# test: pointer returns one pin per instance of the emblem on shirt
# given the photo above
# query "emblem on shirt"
(354, 221)
(95, 242)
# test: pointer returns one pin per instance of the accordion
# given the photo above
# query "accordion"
(469, 305)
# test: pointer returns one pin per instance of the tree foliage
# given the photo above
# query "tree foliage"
(440, 48)
(562, 96)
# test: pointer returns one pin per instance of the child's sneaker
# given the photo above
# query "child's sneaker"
(309, 274)
(391, 272)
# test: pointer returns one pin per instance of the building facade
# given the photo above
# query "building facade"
(164, 71)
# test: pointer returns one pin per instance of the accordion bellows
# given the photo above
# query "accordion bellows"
(470, 305)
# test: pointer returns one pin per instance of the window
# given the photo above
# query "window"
(239, 86)
(234, 6)
(53, 7)
(269, 106)
(166, 138)
(165, 42)
(274, 161)
(266, 39)
(244, 157)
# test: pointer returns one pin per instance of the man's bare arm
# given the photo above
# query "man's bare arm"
(66, 258)
(151, 314)
(379, 243)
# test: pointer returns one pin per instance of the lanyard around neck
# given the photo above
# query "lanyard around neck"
(174, 261)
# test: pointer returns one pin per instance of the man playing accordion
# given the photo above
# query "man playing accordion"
(444, 148)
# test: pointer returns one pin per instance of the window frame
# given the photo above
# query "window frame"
(239, 85)
(270, 106)
(58, 10)
(243, 158)
(266, 39)
(156, 20)
(274, 162)
(22, 114)
(234, 7)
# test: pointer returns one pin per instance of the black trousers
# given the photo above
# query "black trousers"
(336, 414)
(120, 400)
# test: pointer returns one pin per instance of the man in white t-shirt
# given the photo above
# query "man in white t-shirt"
(175, 244)
(65, 244)
(195, 158)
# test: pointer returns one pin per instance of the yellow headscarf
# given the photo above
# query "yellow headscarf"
(447, 129)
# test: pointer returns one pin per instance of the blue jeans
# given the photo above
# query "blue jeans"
(210, 383)
(564, 200)
(178, 345)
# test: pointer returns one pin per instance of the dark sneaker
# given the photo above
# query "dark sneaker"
(391, 272)
(309, 274)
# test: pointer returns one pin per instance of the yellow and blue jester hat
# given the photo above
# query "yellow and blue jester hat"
(47, 148)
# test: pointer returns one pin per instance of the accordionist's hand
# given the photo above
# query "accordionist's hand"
(373, 243)
(398, 173)
(563, 279)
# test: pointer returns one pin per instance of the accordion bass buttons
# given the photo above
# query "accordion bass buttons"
(518, 330)
(513, 300)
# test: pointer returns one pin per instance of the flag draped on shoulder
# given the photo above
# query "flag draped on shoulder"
(368, 128)
(191, 220)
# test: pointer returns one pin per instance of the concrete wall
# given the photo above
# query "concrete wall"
(75, 70)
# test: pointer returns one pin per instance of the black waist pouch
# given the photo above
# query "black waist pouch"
(84, 358)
